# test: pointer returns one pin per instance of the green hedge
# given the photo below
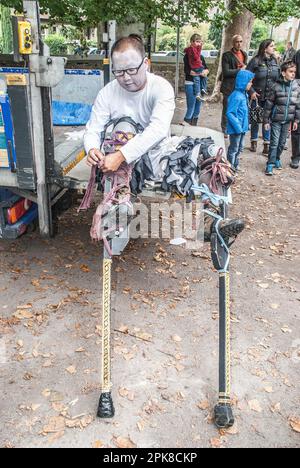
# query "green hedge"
(57, 44)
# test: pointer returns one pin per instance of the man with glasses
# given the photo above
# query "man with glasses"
(232, 62)
(146, 98)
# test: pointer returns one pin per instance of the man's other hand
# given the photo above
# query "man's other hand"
(267, 127)
(295, 126)
(94, 157)
(112, 162)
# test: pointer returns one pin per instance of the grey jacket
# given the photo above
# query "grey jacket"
(289, 54)
(283, 102)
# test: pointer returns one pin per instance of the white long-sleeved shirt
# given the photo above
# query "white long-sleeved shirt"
(152, 107)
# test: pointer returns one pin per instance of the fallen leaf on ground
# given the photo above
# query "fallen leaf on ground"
(55, 424)
(125, 393)
(72, 370)
(97, 444)
(232, 430)
(79, 422)
(203, 405)
(268, 389)
(286, 329)
(254, 405)
(35, 407)
(23, 314)
(47, 363)
(23, 307)
(215, 443)
(123, 442)
(295, 424)
(140, 425)
(276, 408)
(263, 285)
(176, 338)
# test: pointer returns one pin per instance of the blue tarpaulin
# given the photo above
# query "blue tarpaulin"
(70, 113)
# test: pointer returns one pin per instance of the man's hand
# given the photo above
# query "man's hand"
(244, 67)
(267, 127)
(112, 162)
(255, 96)
(295, 126)
(94, 157)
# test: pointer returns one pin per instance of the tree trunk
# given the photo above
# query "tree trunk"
(241, 24)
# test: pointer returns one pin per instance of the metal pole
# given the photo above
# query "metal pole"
(111, 41)
(43, 196)
(177, 63)
(177, 52)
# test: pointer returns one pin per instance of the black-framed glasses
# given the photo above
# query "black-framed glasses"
(129, 71)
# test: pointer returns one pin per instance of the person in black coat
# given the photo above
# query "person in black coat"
(232, 62)
(193, 105)
(296, 135)
(267, 71)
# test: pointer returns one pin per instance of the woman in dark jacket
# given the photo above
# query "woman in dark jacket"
(267, 71)
(193, 105)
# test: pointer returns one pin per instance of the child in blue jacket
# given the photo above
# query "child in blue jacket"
(238, 115)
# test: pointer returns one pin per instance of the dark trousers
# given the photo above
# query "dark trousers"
(224, 118)
(279, 133)
(296, 146)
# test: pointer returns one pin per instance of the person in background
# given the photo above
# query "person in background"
(295, 161)
(193, 53)
(238, 115)
(232, 62)
(289, 53)
(193, 105)
(267, 72)
(281, 110)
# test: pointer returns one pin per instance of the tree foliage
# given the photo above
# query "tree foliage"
(88, 13)
(6, 35)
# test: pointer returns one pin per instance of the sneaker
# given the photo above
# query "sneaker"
(278, 165)
(231, 227)
(294, 165)
(227, 228)
(269, 170)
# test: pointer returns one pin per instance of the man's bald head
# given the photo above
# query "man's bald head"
(237, 42)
